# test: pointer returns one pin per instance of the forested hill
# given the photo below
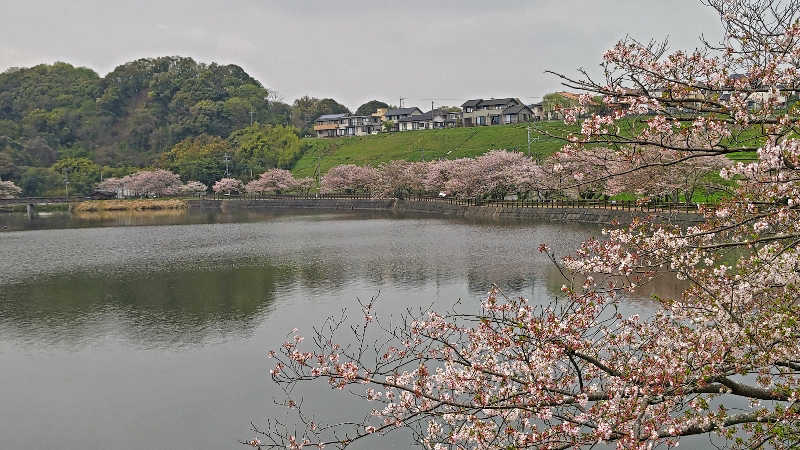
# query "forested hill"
(129, 116)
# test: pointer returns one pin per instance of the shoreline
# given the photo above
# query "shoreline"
(558, 214)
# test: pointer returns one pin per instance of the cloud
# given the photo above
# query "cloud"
(355, 50)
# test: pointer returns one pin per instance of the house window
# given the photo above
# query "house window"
(480, 120)
(468, 109)
(508, 118)
(495, 120)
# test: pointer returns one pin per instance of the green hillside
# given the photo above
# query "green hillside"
(433, 144)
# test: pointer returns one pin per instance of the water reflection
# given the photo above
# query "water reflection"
(169, 309)
(204, 282)
(155, 332)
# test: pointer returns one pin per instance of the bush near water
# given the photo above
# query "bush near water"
(129, 205)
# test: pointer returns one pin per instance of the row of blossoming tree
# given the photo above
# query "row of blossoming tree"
(499, 173)
(492, 175)
(720, 361)
(150, 183)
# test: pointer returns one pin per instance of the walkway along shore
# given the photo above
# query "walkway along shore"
(599, 212)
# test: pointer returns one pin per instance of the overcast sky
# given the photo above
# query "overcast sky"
(357, 50)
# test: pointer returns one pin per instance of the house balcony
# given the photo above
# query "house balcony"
(325, 126)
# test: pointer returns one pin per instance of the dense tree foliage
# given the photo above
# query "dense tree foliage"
(200, 158)
(305, 111)
(171, 111)
(246, 153)
(81, 173)
(138, 110)
(370, 107)
(261, 147)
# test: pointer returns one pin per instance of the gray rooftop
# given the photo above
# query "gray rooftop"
(490, 102)
(331, 116)
(403, 111)
(516, 109)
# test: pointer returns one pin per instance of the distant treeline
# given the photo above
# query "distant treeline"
(170, 112)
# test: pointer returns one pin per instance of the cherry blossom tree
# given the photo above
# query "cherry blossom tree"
(305, 184)
(144, 183)
(112, 185)
(227, 186)
(193, 188)
(501, 172)
(349, 179)
(401, 179)
(9, 190)
(273, 181)
(670, 181)
(441, 172)
(720, 360)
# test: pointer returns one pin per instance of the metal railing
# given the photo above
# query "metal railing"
(624, 205)
(247, 196)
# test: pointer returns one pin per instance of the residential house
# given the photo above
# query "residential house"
(538, 110)
(335, 125)
(359, 125)
(434, 119)
(495, 111)
(758, 98)
(517, 114)
(327, 125)
(395, 114)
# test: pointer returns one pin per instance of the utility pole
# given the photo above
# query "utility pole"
(66, 184)
(529, 142)
(316, 171)
(536, 139)
(227, 159)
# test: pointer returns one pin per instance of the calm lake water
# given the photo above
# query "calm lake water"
(150, 331)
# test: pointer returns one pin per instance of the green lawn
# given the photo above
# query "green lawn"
(457, 143)
(434, 144)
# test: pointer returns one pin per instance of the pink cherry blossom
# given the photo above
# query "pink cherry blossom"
(227, 186)
(193, 188)
(273, 181)
(9, 190)
(349, 178)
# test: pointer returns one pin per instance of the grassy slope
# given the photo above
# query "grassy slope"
(460, 142)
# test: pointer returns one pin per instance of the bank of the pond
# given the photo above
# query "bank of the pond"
(560, 214)
(129, 205)
(24, 208)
